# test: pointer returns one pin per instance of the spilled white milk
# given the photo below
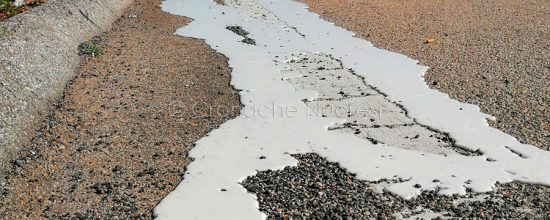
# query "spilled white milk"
(275, 122)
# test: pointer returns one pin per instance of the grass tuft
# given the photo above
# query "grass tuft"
(91, 49)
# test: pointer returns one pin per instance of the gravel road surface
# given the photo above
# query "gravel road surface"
(117, 142)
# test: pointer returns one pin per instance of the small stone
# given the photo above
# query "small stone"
(319, 185)
(117, 169)
(103, 188)
(19, 163)
(506, 195)
(429, 40)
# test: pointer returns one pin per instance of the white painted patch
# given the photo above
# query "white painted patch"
(276, 122)
(19, 3)
(367, 112)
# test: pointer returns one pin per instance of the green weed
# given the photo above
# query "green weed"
(91, 49)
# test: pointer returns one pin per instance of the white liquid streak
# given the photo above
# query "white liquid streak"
(230, 154)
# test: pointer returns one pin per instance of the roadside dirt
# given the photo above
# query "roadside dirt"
(116, 143)
(494, 54)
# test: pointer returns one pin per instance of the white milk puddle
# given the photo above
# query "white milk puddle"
(276, 120)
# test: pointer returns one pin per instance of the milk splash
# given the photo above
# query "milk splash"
(283, 29)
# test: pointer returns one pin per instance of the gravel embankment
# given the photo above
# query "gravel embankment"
(494, 54)
(38, 57)
(318, 189)
(117, 142)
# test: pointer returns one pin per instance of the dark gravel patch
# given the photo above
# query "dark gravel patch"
(241, 32)
(318, 189)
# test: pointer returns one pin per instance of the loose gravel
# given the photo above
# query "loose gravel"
(319, 189)
(117, 142)
(241, 32)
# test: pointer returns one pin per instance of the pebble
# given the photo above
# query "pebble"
(19, 163)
